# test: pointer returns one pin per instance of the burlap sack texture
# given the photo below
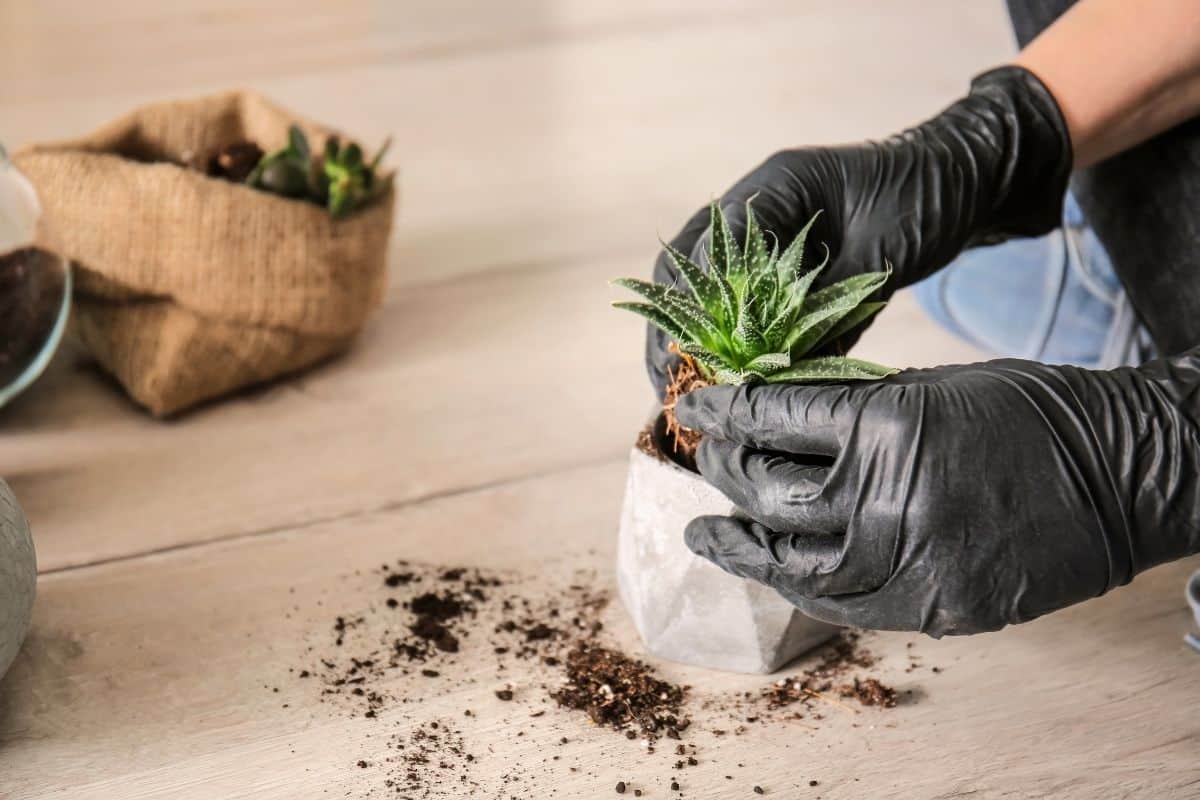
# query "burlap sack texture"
(189, 287)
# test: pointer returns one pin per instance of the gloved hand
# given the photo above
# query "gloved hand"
(958, 499)
(993, 165)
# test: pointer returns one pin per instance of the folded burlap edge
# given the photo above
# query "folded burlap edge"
(153, 349)
(234, 252)
(247, 286)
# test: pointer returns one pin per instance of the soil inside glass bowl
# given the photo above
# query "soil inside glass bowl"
(32, 283)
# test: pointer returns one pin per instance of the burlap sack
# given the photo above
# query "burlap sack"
(189, 287)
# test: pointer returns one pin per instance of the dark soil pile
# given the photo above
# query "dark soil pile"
(842, 654)
(234, 162)
(619, 692)
(819, 686)
(870, 692)
(418, 632)
(434, 612)
(835, 660)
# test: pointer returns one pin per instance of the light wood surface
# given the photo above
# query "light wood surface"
(484, 417)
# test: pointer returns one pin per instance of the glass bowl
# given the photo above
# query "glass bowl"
(35, 301)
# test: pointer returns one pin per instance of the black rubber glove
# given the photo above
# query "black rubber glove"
(959, 499)
(993, 165)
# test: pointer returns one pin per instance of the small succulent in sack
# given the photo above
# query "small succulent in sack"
(341, 179)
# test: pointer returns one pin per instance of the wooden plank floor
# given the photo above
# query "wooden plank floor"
(484, 417)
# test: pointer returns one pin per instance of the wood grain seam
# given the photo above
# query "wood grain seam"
(282, 529)
(536, 38)
(490, 269)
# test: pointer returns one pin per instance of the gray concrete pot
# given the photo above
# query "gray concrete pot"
(686, 608)
(18, 577)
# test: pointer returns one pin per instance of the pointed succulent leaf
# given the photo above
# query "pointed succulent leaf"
(790, 308)
(763, 286)
(811, 328)
(689, 316)
(351, 156)
(757, 256)
(792, 261)
(704, 286)
(725, 254)
(764, 290)
(656, 317)
(852, 285)
(849, 322)
(705, 358)
(831, 368)
(768, 363)
(819, 319)
(747, 337)
(298, 142)
(731, 376)
(729, 301)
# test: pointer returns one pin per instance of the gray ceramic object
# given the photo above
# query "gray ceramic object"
(18, 577)
(685, 608)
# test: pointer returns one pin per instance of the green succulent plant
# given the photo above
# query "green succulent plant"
(750, 316)
(285, 171)
(347, 181)
(341, 180)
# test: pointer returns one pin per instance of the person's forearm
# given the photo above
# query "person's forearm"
(1121, 72)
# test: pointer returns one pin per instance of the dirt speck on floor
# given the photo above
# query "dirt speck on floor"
(545, 646)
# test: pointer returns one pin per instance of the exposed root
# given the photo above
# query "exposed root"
(686, 378)
(827, 699)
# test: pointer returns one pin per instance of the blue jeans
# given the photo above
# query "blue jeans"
(1053, 299)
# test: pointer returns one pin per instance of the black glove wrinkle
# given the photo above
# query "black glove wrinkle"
(990, 166)
(966, 498)
(1032, 160)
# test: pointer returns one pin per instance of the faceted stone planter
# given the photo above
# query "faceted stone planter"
(686, 608)
(18, 577)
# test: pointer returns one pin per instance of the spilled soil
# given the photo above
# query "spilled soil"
(435, 627)
(622, 693)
